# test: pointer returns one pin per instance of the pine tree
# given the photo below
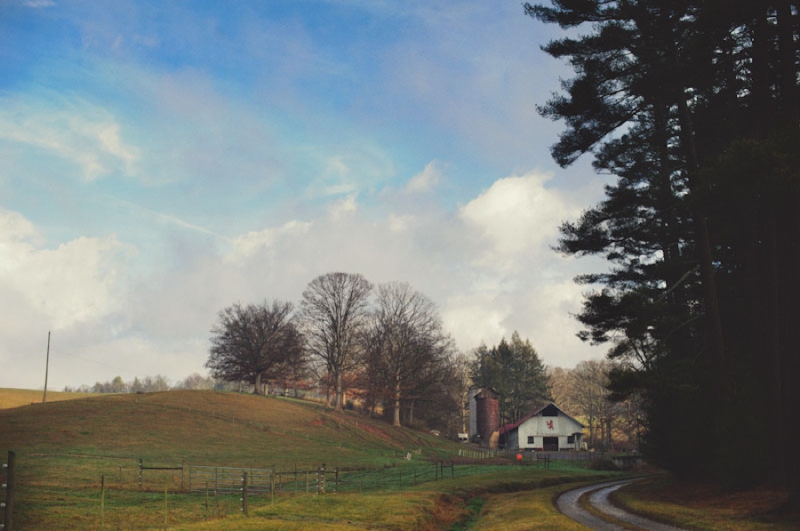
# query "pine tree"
(693, 106)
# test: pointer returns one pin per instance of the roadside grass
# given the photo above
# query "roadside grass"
(10, 398)
(707, 507)
(452, 504)
(519, 510)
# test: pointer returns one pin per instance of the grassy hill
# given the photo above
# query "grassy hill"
(10, 398)
(204, 427)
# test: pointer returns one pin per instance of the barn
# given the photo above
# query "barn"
(548, 428)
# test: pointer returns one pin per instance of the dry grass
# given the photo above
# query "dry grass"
(206, 428)
(707, 507)
(10, 398)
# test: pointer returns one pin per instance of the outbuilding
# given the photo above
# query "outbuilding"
(548, 428)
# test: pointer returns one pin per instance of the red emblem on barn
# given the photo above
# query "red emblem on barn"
(550, 425)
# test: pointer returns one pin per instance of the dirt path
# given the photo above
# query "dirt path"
(568, 503)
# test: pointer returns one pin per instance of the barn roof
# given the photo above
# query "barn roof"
(514, 425)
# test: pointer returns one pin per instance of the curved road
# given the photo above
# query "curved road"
(598, 494)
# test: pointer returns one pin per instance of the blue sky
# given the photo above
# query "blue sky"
(162, 160)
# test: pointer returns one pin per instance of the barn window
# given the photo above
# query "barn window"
(550, 411)
(570, 439)
(530, 439)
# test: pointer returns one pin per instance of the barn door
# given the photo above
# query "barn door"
(550, 444)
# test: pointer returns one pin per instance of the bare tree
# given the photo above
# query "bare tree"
(254, 343)
(334, 311)
(406, 341)
(196, 381)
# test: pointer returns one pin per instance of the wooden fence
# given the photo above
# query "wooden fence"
(7, 484)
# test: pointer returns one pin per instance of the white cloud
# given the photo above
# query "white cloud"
(343, 207)
(83, 134)
(77, 281)
(254, 241)
(426, 180)
(80, 284)
(517, 215)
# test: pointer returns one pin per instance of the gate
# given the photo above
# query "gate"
(229, 480)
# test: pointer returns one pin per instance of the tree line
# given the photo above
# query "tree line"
(148, 384)
(692, 106)
(385, 344)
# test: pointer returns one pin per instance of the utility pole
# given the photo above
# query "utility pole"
(46, 368)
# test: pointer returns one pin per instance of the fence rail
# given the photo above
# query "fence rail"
(229, 480)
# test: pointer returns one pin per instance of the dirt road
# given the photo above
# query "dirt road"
(598, 494)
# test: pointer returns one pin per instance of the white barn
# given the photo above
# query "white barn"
(546, 429)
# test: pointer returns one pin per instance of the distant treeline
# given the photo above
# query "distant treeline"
(150, 384)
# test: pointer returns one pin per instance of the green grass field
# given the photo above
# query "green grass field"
(66, 449)
(78, 467)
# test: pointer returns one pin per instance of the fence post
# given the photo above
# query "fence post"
(140, 473)
(102, 502)
(11, 478)
(336, 480)
(244, 493)
(321, 479)
(166, 507)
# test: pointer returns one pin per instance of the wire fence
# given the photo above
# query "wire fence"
(213, 491)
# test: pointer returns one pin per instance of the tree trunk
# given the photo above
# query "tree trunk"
(257, 387)
(397, 396)
(705, 257)
(339, 393)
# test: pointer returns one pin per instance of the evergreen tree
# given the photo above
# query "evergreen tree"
(692, 104)
(516, 372)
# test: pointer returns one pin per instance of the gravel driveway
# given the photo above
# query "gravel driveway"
(598, 494)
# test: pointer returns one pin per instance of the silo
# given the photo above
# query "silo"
(473, 412)
(488, 413)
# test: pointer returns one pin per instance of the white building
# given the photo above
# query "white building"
(548, 429)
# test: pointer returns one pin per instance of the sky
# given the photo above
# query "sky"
(160, 161)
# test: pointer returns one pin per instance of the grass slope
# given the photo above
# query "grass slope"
(10, 398)
(205, 427)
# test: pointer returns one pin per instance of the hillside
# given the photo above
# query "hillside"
(10, 398)
(204, 427)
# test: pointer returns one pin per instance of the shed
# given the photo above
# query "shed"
(548, 428)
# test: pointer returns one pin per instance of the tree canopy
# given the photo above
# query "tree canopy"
(693, 106)
(254, 343)
(406, 348)
(334, 312)
(514, 370)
